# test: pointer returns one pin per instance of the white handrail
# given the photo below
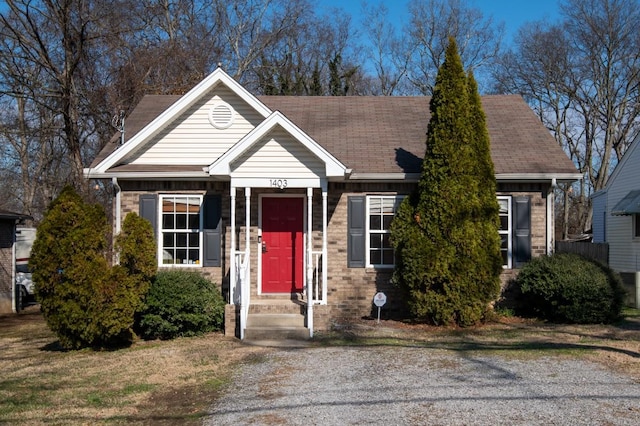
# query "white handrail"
(316, 293)
(242, 276)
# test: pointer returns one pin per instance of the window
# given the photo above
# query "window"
(181, 230)
(380, 212)
(505, 230)
(369, 218)
(636, 226)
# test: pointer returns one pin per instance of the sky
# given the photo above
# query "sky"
(514, 13)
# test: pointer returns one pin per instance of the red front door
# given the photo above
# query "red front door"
(282, 244)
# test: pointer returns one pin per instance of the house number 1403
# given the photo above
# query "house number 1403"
(278, 183)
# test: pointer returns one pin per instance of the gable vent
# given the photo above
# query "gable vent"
(221, 115)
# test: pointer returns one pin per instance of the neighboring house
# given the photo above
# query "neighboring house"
(287, 200)
(8, 222)
(616, 220)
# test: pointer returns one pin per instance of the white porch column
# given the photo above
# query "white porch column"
(247, 221)
(310, 261)
(324, 242)
(232, 249)
(551, 232)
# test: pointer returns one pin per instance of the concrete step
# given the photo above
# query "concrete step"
(275, 334)
(275, 326)
(277, 308)
(275, 320)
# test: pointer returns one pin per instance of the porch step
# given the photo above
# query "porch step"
(276, 307)
(275, 326)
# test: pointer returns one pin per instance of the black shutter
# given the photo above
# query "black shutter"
(521, 231)
(212, 230)
(149, 210)
(356, 217)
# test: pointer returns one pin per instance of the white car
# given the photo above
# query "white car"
(24, 283)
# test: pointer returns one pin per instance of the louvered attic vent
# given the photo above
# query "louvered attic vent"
(221, 115)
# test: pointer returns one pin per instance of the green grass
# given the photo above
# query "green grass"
(108, 398)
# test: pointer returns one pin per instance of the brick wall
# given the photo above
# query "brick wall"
(7, 229)
(350, 290)
(130, 196)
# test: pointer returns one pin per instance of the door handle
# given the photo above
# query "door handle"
(264, 247)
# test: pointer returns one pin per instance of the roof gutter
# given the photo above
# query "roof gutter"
(92, 174)
(540, 177)
(554, 178)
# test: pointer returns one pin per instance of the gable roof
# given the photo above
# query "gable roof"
(387, 134)
(382, 136)
(9, 215)
(149, 129)
(221, 166)
(621, 164)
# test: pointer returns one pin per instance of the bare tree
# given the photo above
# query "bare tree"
(432, 22)
(582, 77)
(68, 66)
(27, 164)
(387, 52)
(49, 47)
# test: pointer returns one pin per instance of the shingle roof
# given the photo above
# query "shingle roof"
(9, 215)
(387, 134)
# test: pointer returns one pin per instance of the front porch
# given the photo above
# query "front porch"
(277, 262)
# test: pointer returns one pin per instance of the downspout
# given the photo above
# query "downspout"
(551, 230)
(14, 288)
(117, 191)
(117, 216)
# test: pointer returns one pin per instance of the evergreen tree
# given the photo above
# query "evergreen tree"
(84, 301)
(315, 88)
(487, 215)
(446, 233)
(335, 80)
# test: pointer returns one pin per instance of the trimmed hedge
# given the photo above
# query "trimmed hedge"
(180, 303)
(569, 288)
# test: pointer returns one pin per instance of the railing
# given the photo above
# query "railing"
(242, 288)
(316, 295)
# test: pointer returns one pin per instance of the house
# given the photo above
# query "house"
(286, 201)
(616, 220)
(8, 296)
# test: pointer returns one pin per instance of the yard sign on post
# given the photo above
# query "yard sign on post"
(379, 300)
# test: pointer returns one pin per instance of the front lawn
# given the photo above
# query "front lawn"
(175, 382)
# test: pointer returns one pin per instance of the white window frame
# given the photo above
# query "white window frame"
(162, 230)
(398, 199)
(508, 232)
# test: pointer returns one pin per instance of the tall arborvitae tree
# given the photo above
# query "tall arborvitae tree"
(487, 224)
(446, 233)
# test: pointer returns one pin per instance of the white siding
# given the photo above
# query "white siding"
(192, 140)
(277, 155)
(624, 250)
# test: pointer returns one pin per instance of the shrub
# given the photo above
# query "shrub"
(570, 288)
(86, 302)
(136, 247)
(69, 269)
(180, 303)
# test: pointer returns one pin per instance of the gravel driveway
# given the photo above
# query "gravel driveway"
(390, 385)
